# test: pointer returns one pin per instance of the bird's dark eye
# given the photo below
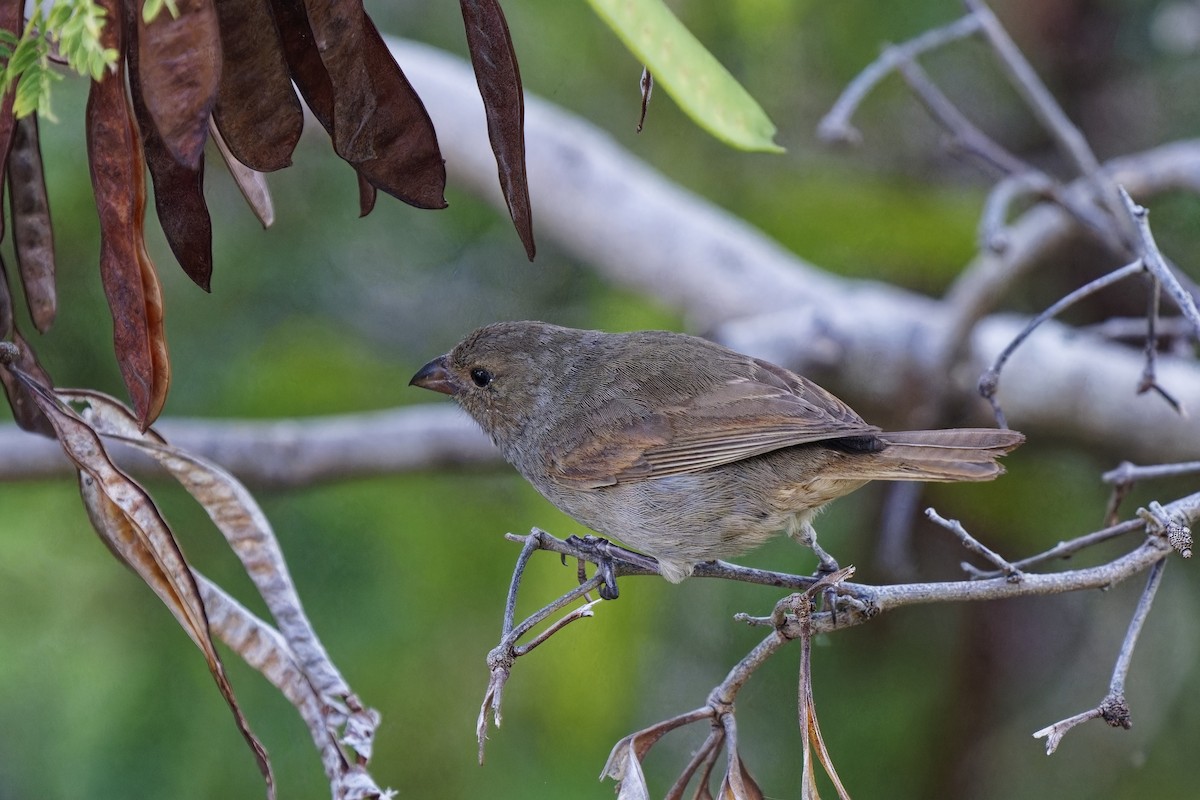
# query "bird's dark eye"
(481, 377)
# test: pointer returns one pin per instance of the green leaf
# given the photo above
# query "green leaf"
(153, 8)
(689, 73)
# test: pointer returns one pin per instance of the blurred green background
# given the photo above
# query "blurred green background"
(103, 696)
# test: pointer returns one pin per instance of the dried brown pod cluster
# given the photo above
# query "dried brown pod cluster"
(226, 69)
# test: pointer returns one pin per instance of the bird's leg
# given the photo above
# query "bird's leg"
(805, 534)
(603, 553)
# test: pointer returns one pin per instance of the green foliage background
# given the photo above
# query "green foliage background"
(101, 695)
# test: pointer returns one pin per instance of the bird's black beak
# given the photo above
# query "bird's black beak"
(436, 377)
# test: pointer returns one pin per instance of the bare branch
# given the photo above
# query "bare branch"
(993, 233)
(1113, 709)
(967, 137)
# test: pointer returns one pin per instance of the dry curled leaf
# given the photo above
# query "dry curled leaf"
(128, 522)
(408, 163)
(129, 278)
(264, 649)
(738, 784)
(292, 657)
(499, 80)
(180, 71)
(238, 516)
(257, 110)
(33, 234)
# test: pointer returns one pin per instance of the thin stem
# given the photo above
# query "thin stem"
(993, 227)
(974, 545)
(1128, 473)
(1113, 708)
(722, 696)
(1121, 669)
(1153, 259)
(1027, 83)
(835, 125)
(1072, 546)
(990, 380)
(532, 543)
(970, 138)
(577, 613)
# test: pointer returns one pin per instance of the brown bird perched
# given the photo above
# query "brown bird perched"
(681, 448)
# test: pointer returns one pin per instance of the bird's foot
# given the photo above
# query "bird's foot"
(828, 565)
(604, 553)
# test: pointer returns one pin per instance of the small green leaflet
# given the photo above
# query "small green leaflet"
(689, 73)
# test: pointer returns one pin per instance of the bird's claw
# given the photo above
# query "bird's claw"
(600, 551)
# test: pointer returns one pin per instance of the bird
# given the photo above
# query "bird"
(678, 447)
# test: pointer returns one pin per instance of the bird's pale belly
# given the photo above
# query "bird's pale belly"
(685, 519)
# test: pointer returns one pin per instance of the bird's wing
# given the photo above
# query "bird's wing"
(764, 410)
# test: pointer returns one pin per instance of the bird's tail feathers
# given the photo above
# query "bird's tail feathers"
(959, 454)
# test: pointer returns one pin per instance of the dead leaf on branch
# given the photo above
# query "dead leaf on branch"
(236, 514)
(292, 657)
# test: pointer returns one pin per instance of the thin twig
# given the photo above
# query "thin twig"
(584, 610)
(835, 126)
(990, 380)
(1153, 259)
(967, 136)
(704, 756)
(1125, 472)
(993, 222)
(1113, 709)
(1125, 657)
(1027, 83)
(1072, 546)
(501, 658)
(532, 543)
(974, 545)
